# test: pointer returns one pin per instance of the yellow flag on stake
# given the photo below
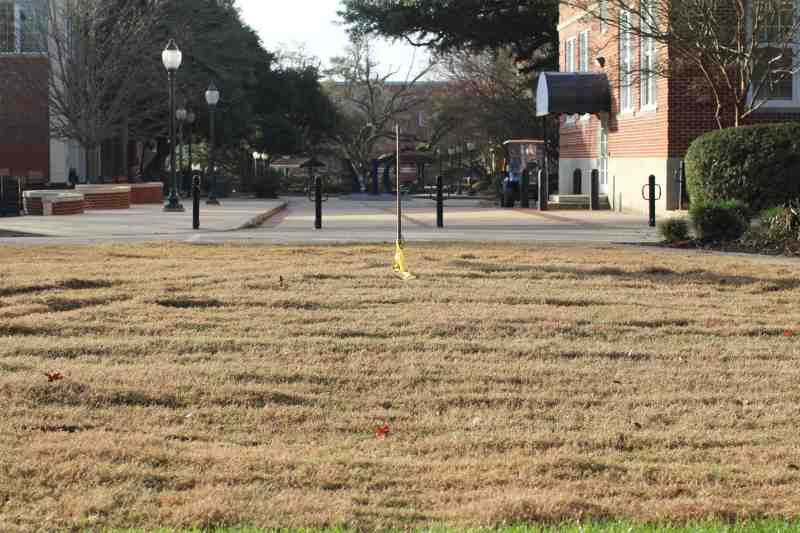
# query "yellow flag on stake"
(400, 266)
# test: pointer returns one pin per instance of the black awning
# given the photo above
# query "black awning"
(572, 93)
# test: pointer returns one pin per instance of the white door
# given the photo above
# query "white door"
(603, 158)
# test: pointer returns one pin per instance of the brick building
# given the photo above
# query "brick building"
(639, 123)
(26, 148)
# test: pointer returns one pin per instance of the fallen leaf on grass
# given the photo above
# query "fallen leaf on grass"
(382, 431)
(793, 466)
(788, 333)
(54, 376)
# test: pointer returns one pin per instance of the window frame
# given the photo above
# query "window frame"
(9, 9)
(25, 10)
(583, 51)
(648, 54)
(626, 62)
(603, 16)
(771, 102)
(570, 50)
(583, 58)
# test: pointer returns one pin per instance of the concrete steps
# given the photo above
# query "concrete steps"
(576, 201)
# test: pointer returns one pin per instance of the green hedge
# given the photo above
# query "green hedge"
(757, 165)
(724, 220)
(674, 229)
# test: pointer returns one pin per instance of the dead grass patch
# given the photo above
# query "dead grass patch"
(519, 383)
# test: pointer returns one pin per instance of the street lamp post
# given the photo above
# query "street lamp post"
(171, 57)
(212, 99)
(190, 121)
(181, 115)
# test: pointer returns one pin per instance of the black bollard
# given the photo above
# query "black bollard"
(318, 202)
(524, 189)
(439, 202)
(196, 202)
(594, 200)
(651, 185)
(544, 193)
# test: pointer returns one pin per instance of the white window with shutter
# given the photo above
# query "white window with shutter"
(625, 62)
(776, 74)
(583, 61)
(569, 65)
(648, 66)
(21, 29)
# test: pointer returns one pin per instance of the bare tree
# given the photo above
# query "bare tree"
(490, 100)
(743, 52)
(369, 103)
(100, 69)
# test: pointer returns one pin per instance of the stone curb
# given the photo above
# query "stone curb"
(260, 219)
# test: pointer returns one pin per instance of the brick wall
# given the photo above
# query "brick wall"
(638, 133)
(147, 195)
(108, 200)
(33, 206)
(693, 113)
(684, 105)
(71, 207)
(24, 119)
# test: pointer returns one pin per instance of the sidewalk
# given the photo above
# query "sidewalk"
(147, 220)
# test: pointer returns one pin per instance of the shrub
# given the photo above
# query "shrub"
(267, 186)
(766, 215)
(725, 220)
(674, 229)
(783, 223)
(757, 165)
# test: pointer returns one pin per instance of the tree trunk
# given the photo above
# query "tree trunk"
(156, 167)
(125, 164)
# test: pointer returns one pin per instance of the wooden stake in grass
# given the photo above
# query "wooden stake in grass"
(400, 266)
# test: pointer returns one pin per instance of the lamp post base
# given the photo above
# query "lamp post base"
(173, 205)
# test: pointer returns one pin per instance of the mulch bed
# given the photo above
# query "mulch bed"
(759, 247)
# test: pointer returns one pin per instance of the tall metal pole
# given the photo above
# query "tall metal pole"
(190, 148)
(317, 182)
(196, 202)
(180, 145)
(174, 203)
(399, 205)
(212, 178)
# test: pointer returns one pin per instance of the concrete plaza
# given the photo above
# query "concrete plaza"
(344, 221)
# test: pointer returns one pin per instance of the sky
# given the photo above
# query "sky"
(313, 23)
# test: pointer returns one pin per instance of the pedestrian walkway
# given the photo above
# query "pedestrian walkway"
(343, 221)
(350, 221)
(145, 221)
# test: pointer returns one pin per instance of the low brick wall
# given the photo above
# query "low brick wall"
(33, 206)
(147, 193)
(105, 196)
(45, 203)
(69, 207)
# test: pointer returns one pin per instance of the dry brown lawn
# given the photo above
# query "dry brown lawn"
(519, 384)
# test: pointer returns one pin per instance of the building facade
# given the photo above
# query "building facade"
(651, 119)
(26, 147)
